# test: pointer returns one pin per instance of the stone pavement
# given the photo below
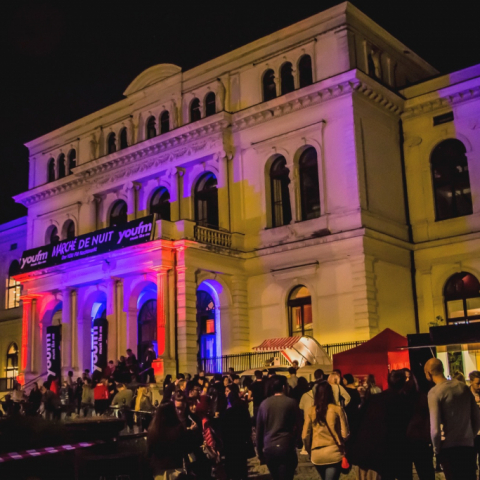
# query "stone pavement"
(305, 471)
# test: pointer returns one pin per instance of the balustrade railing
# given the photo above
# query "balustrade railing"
(212, 236)
(247, 361)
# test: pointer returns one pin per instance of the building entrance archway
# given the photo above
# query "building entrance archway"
(206, 328)
(147, 328)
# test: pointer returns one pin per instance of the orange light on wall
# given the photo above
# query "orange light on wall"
(210, 326)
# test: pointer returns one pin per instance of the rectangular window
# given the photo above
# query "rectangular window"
(455, 309)
(307, 313)
(473, 307)
(13, 292)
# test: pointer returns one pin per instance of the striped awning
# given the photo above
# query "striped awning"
(275, 344)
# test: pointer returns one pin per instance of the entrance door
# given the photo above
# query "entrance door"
(205, 329)
(147, 328)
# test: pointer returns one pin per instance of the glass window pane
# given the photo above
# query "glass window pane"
(296, 319)
(473, 306)
(307, 316)
(455, 309)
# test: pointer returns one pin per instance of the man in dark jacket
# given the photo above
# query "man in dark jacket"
(277, 431)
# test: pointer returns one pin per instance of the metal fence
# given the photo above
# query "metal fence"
(247, 361)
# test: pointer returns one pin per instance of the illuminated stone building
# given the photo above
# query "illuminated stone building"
(277, 176)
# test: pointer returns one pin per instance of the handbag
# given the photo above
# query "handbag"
(345, 466)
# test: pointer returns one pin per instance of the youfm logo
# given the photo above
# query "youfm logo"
(134, 232)
(39, 257)
(50, 353)
(97, 338)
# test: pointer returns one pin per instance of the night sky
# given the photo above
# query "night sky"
(65, 59)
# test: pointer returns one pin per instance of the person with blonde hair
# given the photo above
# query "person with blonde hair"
(340, 395)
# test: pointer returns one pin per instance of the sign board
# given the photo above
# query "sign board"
(54, 358)
(99, 344)
(132, 233)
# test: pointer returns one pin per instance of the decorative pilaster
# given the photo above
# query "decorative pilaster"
(364, 297)
(66, 331)
(240, 326)
(186, 316)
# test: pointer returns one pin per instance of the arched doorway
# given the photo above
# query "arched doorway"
(147, 328)
(206, 328)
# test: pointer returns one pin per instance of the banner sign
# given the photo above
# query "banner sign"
(102, 241)
(99, 344)
(54, 359)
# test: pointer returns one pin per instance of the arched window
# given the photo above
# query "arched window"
(195, 113)
(51, 235)
(206, 201)
(160, 204)
(147, 327)
(123, 138)
(61, 166)
(462, 298)
(269, 87)
(309, 188)
(51, 170)
(11, 370)
(280, 196)
(206, 326)
(300, 311)
(305, 75)
(14, 289)
(151, 128)
(111, 143)
(165, 122)
(68, 230)
(72, 160)
(210, 106)
(451, 180)
(286, 77)
(118, 214)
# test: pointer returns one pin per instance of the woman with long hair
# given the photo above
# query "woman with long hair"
(371, 388)
(167, 443)
(327, 425)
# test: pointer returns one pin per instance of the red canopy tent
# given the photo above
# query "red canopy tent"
(377, 356)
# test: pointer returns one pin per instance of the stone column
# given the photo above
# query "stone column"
(223, 192)
(112, 318)
(187, 340)
(292, 187)
(74, 329)
(131, 210)
(164, 362)
(26, 366)
(66, 331)
(121, 324)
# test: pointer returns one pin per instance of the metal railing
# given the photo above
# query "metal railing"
(333, 348)
(212, 236)
(247, 361)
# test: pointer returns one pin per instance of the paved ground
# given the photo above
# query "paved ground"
(305, 471)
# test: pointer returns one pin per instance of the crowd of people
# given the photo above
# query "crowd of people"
(210, 427)
(123, 385)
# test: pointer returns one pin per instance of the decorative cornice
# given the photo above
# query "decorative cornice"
(186, 143)
(431, 105)
(370, 90)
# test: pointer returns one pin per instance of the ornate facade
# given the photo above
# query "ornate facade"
(290, 183)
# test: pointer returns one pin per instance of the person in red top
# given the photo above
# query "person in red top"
(100, 395)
